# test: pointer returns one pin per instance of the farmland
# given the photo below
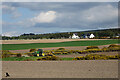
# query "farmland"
(58, 44)
(74, 64)
(61, 69)
(88, 53)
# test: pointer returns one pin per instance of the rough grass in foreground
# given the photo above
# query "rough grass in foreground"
(20, 58)
(59, 44)
(67, 59)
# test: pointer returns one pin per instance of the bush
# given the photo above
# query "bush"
(49, 58)
(114, 48)
(105, 49)
(19, 55)
(94, 50)
(111, 47)
(29, 54)
(97, 57)
(6, 53)
(114, 45)
(114, 57)
(28, 60)
(65, 53)
(61, 49)
(32, 50)
(57, 53)
(92, 47)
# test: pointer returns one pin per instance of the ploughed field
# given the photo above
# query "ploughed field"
(58, 44)
(61, 69)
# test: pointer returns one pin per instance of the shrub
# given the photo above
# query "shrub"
(61, 49)
(58, 53)
(19, 55)
(29, 54)
(32, 50)
(28, 60)
(114, 45)
(114, 48)
(94, 50)
(105, 49)
(114, 56)
(79, 58)
(49, 58)
(92, 47)
(65, 53)
(97, 57)
(6, 53)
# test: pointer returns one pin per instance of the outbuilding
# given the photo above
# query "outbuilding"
(91, 36)
(75, 36)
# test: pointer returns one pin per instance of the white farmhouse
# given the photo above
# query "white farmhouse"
(91, 36)
(75, 36)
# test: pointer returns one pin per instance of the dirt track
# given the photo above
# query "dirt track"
(42, 41)
(61, 69)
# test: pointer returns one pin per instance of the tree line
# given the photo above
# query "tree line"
(111, 33)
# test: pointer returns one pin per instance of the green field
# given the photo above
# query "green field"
(59, 44)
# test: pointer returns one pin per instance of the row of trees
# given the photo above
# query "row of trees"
(98, 34)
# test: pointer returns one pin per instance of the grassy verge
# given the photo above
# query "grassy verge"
(20, 58)
(28, 58)
(59, 44)
(67, 59)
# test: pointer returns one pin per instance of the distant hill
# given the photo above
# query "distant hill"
(103, 33)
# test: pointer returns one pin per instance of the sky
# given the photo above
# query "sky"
(51, 17)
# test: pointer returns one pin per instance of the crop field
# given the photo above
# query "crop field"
(58, 44)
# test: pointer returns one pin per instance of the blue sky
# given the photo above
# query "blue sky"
(50, 17)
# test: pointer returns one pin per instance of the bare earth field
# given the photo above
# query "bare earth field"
(61, 69)
(43, 41)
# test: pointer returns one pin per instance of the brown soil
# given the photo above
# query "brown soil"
(61, 69)
(42, 41)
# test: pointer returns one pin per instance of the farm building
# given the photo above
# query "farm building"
(75, 36)
(87, 36)
(84, 36)
(91, 36)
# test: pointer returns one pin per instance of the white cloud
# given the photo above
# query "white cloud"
(7, 8)
(45, 17)
(100, 14)
(25, 23)
(60, 0)
(10, 34)
(68, 17)
(16, 14)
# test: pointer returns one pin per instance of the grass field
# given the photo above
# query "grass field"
(58, 44)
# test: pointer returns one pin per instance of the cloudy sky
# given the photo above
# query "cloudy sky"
(47, 17)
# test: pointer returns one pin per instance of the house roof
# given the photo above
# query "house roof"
(75, 34)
